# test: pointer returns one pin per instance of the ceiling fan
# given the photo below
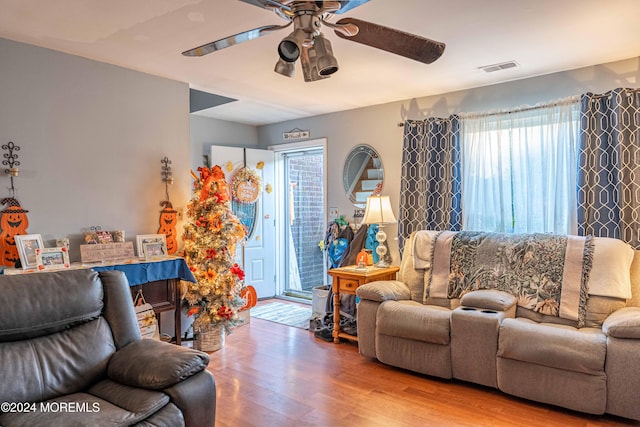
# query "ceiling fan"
(307, 43)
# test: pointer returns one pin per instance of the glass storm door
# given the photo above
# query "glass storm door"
(302, 201)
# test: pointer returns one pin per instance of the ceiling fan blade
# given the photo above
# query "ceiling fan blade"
(348, 5)
(233, 40)
(395, 41)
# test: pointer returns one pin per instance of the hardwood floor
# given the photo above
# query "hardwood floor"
(269, 374)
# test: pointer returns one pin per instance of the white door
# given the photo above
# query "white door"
(257, 257)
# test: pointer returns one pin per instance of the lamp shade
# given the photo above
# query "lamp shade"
(378, 211)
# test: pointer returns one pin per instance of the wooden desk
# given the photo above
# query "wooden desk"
(160, 284)
(347, 280)
(163, 295)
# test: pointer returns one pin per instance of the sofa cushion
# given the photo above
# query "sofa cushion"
(489, 299)
(169, 415)
(412, 277)
(412, 320)
(525, 313)
(83, 409)
(450, 303)
(599, 308)
(23, 316)
(155, 364)
(610, 271)
(55, 365)
(635, 281)
(624, 323)
(384, 290)
(140, 402)
(556, 346)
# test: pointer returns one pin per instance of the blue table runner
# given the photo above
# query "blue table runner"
(144, 272)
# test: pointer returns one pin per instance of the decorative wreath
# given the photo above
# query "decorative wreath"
(246, 186)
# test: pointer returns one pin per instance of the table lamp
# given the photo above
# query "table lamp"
(378, 211)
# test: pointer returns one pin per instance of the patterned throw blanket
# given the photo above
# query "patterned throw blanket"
(546, 273)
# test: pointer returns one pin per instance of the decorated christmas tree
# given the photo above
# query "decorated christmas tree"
(211, 236)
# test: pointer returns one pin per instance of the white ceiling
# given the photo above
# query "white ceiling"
(542, 36)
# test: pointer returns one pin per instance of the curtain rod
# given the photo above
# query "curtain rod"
(565, 101)
(570, 99)
(401, 124)
(576, 98)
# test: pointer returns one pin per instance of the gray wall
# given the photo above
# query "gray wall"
(91, 137)
(206, 131)
(377, 125)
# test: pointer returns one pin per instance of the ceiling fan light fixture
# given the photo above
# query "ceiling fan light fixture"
(309, 63)
(327, 63)
(285, 68)
(288, 51)
(289, 48)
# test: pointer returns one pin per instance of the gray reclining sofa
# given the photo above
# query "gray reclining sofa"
(561, 328)
(71, 355)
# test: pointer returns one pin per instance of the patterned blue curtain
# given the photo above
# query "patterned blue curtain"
(430, 184)
(609, 170)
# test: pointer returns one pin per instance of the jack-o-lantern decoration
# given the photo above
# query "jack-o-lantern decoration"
(168, 219)
(13, 221)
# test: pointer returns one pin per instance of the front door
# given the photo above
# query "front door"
(257, 256)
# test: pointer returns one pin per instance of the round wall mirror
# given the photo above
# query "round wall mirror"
(363, 174)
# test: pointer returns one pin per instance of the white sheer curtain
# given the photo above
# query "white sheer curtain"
(519, 169)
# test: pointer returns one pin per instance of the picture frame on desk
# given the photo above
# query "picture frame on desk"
(27, 245)
(52, 258)
(142, 239)
(154, 250)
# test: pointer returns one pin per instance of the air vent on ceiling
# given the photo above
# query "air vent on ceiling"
(498, 67)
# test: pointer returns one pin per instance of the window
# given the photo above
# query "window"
(519, 169)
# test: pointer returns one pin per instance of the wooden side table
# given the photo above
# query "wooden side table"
(346, 280)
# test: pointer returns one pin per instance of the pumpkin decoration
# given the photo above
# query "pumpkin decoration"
(13, 221)
(168, 220)
(249, 294)
(362, 258)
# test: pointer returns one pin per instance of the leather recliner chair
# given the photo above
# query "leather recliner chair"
(71, 355)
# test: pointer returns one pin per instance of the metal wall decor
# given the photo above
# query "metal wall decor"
(11, 160)
(167, 175)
